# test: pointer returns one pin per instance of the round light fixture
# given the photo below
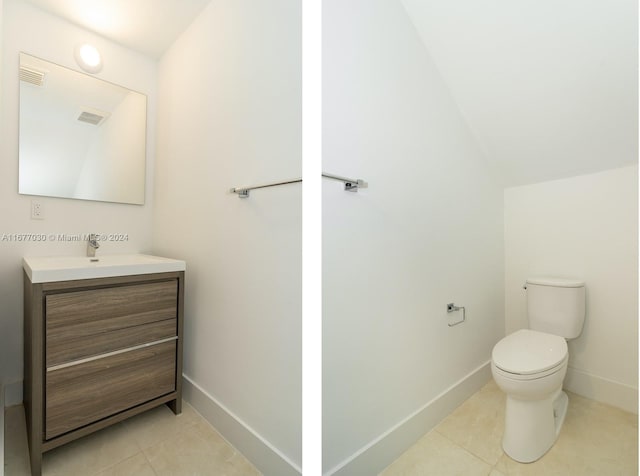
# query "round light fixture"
(88, 58)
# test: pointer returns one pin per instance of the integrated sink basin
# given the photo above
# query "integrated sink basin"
(69, 268)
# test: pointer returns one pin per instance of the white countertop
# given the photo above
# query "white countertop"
(69, 268)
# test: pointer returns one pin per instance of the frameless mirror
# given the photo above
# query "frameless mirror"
(80, 137)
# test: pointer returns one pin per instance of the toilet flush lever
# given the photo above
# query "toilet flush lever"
(451, 307)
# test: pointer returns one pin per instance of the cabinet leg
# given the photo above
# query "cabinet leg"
(34, 435)
(175, 406)
(36, 463)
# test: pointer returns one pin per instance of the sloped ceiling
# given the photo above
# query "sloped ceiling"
(549, 88)
(147, 26)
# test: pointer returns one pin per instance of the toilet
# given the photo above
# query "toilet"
(530, 365)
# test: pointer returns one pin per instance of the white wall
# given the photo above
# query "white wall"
(229, 115)
(1, 49)
(584, 227)
(427, 231)
(540, 83)
(28, 29)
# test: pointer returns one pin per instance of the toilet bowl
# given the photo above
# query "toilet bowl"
(530, 366)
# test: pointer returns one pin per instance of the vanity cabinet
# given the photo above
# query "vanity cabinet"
(98, 351)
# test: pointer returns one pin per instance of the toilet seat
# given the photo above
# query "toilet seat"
(527, 377)
(528, 354)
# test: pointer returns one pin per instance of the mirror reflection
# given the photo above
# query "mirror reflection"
(80, 137)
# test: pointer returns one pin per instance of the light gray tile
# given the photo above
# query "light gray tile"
(199, 450)
(159, 424)
(91, 454)
(596, 439)
(435, 454)
(478, 424)
(179, 445)
(137, 465)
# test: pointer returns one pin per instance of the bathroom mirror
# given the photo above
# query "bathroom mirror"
(80, 137)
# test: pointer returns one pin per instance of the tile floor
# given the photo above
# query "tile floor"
(155, 443)
(596, 439)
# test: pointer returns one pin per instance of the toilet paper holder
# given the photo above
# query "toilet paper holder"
(451, 307)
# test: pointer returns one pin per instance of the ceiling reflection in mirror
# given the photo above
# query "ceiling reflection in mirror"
(80, 137)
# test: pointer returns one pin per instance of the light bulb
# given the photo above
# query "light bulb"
(88, 58)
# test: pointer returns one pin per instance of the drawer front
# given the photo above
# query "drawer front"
(85, 393)
(91, 314)
(62, 351)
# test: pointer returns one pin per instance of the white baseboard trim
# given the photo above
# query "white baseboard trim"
(384, 450)
(264, 456)
(13, 393)
(602, 390)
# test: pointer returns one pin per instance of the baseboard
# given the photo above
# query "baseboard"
(254, 447)
(385, 449)
(13, 393)
(602, 390)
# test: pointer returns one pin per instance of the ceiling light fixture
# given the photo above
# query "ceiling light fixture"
(88, 58)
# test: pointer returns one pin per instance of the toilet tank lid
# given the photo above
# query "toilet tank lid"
(558, 282)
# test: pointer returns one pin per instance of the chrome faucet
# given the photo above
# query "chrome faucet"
(92, 245)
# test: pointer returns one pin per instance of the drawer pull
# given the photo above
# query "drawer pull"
(109, 354)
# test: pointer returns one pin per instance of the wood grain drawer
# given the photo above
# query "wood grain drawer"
(62, 351)
(85, 393)
(98, 317)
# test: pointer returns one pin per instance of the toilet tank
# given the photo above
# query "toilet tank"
(556, 306)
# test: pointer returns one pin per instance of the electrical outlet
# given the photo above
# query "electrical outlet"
(37, 210)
